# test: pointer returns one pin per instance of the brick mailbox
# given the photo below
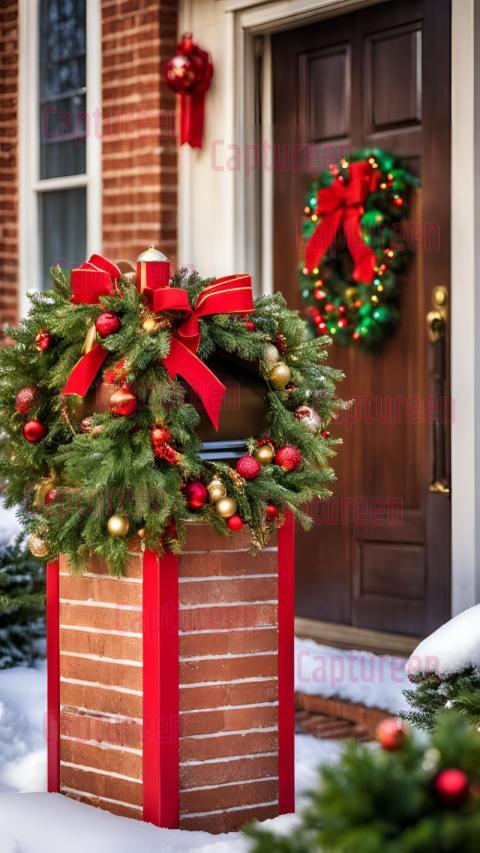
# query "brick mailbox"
(170, 690)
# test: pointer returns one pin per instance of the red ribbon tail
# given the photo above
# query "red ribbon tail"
(85, 372)
(322, 238)
(192, 118)
(364, 258)
(183, 362)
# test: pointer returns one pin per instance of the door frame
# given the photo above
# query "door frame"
(240, 22)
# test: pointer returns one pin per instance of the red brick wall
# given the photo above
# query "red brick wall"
(139, 148)
(8, 160)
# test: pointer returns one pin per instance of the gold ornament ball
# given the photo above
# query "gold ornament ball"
(280, 375)
(216, 490)
(141, 533)
(265, 454)
(271, 355)
(118, 526)
(226, 507)
(42, 490)
(149, 325)
(37, 546)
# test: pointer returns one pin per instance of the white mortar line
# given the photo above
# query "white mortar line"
(251, 680)
(103, 745)
(205, 606)
(110, 773)
(228, 551)
(253, 731)
(187, 815)
(231, 707)
(209, 578)
(231, 784)
(113, 718)
(100, 658)
(95, 575)
(226, 630)
(112, 632)
(90, 602)
(232, 656)
(90, 796)
(249, 756)
(100, 686)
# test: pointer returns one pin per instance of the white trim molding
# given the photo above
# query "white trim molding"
(30, 184)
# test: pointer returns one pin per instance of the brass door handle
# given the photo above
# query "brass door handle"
(437, 330)
(436, 323)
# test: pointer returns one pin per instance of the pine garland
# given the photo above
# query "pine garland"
(111, 469)
(434, 694)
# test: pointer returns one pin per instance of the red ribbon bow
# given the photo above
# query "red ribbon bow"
(341, 204)
(229, 295)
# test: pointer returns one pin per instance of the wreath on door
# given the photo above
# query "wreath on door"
(355, 247)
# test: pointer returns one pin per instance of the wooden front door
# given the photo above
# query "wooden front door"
(377, 77)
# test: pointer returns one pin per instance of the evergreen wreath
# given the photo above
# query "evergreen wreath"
(87, 484)
(355, 247)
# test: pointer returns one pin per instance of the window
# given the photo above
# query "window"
(59, 156)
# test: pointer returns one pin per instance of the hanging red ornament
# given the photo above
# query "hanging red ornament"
(123, 402)
(288, 457)
(196, 495)
(248, 467)
(43, 340)
(159, 435)
(189, 73)
(235, 522)
(271, 512)
(391, 733)
(25, 399)
(108, 323)
(452, 786)
(34, 431)
(51, 496)
(249, 325)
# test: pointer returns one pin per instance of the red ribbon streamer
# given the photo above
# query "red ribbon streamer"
(341, 205)
(228, 295)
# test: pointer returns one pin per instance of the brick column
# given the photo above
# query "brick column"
(9, 161)
(224, 747)
(139, 159)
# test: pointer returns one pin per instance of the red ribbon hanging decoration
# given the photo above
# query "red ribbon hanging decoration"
(189, 72)
(341, 205)
(228, 295)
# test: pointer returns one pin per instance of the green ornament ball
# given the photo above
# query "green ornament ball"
(372, 218)
(382, 314)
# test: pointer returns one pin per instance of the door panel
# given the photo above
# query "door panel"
(377, 77)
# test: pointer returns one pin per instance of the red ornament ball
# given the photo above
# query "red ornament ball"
(234, 522)
(326, 433)
(196, 495)
(288, 457)
(25, 399)
(43, 340)
(51, 496)
(108, 323)
(248, 467)
(166, 452)
(159, 435)
(34, 431)
(180, 73)
(123, 402)
(271, 512)
(391, 733)
(249, 325)
(452, 786)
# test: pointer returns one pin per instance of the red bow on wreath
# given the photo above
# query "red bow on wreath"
(228, 295)
(341, 205)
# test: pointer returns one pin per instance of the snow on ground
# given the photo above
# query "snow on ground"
(452, 647)
(357, 676)
(9, 525)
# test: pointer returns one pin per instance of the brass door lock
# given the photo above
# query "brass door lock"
(437, 317)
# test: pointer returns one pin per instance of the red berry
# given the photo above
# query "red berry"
(108, 323)
(34, 431)
(159, 435)
(249, 325)
(167, 452)
(248, 467)
(288, 457)
(391, 733)
(235, 522)
(25, 399)
(271, 512)
(196, 495)
(326, 433)
(452, 786)
(51, 496)
(43, 340)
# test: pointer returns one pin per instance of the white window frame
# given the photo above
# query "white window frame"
(30, 183)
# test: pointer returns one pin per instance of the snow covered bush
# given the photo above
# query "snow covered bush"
(22, 604)
(445, 669)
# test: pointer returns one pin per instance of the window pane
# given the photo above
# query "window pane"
(63, 224)
(62, 87)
